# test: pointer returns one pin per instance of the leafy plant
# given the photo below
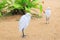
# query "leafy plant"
(2, 4)
(0, 14)
(25, 5)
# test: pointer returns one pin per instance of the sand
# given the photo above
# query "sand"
(37, 29)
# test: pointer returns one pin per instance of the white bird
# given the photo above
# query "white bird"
(24, 22)
(48, 13)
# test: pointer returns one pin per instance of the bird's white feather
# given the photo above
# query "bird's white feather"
(24, 21)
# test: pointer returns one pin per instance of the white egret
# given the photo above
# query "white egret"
(24, 22)
(47, 13)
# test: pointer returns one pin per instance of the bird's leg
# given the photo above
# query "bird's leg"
(23, 33)
(47, 20)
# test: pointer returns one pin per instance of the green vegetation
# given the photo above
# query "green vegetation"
(19, 5)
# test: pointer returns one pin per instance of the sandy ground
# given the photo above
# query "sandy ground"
(37, 30)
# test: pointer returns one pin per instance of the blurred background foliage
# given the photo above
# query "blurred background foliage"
(17, 6)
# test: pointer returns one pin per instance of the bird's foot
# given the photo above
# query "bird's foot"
(23, 36)
(47, 22)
